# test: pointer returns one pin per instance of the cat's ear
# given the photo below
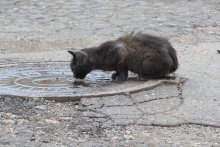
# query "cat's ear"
(73, 54)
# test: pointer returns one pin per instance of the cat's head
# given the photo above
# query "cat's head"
(80, 64)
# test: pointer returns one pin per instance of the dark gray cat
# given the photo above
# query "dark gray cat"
(146, 55)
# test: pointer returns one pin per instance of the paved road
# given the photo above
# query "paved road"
(169, 115)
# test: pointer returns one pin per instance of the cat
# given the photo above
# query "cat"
(146, 55)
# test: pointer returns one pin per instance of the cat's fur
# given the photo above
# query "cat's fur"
(146, 55)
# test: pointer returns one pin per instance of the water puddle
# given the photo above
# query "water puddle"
(52, 80)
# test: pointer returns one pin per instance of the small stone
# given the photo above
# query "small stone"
(52, 121)
(45, 140)
(65, 118)
(128, 137)
(128, 132)
(8, 122)
(171, 25)
(23, 121)
(211, 32)
(33, 138)
(42, 107)
(10, 115)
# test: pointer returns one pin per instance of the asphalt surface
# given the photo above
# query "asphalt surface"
(169, 115)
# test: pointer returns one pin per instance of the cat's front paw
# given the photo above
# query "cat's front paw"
(114, 76)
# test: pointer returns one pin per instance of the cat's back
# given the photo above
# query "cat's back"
(140, 41)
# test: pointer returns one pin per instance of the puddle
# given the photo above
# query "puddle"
(52, 80)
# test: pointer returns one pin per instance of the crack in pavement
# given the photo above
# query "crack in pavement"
(97, 108)
(143, 113)
(134, 103)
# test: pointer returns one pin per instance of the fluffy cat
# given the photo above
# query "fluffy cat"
(146, 55)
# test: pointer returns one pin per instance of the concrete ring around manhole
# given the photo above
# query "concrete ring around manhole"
(54, 81)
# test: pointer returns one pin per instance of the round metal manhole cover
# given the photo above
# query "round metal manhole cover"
(53, 80)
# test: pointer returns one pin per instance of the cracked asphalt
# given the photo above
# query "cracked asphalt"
(187, 114)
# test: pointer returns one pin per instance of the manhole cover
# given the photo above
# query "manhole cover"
(51, 80)
(54, 81)
(45, 80)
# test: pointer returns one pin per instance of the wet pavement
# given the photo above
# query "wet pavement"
(36, 32)
(47, 80)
